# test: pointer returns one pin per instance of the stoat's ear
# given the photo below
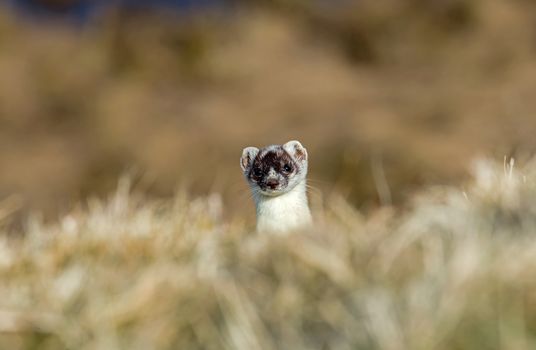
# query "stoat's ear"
(248, 154)
(296, 150)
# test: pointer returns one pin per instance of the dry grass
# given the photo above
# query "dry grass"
(456, 271)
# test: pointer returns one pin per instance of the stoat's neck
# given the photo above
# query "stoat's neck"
(283, 213)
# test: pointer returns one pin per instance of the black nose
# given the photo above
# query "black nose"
(272, 183)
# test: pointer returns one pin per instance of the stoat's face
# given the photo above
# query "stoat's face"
(276, 169)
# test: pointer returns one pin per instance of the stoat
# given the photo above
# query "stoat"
(276, 175)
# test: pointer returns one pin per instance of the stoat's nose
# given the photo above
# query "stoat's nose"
(272, 183)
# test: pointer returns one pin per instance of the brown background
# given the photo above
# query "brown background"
(416, 89)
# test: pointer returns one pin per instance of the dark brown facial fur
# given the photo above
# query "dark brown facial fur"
(272, 169)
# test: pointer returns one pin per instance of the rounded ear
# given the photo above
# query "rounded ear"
(248, 154)
(296, 150)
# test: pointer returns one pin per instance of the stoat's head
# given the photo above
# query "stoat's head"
(275, 169)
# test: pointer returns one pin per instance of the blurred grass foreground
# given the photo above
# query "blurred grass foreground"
(456, 271)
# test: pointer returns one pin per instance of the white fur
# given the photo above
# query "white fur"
(283, 213)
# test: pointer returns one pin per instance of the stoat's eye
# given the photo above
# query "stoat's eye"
(287, 168)
(257, 172)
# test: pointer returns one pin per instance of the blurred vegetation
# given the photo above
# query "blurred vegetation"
(410, 90)
(454, 271)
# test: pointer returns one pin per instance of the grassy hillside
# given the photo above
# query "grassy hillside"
(423, 86)
(455, 271)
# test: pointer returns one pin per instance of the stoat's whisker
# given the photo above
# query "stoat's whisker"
(317, 181)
